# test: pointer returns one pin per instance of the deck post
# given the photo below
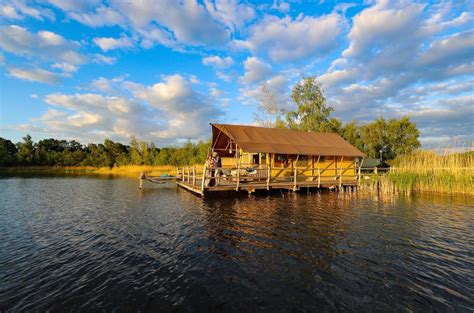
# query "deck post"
(203, 178)
(194, 175)
(319, 177)
(182, 175)
(340, 178)
(189, 176)
(294, 178)
(295, 167)
(238, 176)
(269, 171)
(359, 178)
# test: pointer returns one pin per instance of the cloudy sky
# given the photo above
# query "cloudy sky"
(162, 70)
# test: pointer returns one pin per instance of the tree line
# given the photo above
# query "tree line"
(379, 138)
(54, 152)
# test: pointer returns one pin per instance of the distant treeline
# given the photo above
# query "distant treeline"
(54, 152)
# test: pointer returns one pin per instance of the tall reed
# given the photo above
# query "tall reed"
(432, 172)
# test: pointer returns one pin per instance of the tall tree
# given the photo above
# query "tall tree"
(268, 114)
(390, 138)
(312, 113)
(8, 152)
(26, 151)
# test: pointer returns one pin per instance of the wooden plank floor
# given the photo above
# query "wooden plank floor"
(261, 185)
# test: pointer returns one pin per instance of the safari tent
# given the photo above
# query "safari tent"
(269, 158)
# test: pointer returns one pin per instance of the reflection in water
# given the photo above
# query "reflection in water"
(81, 244)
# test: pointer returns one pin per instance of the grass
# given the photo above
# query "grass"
(430, 172)
(126, 170)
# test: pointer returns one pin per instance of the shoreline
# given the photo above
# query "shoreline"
(400, 182)
(132, 171)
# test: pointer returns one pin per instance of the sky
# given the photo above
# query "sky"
(162, 70)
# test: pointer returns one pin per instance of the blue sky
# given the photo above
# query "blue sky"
(162, 70)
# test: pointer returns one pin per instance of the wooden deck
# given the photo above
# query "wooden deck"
(188, 178)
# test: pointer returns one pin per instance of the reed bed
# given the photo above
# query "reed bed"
(126, 170)
(428, 171)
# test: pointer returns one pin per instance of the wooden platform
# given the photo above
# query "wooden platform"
(188, 178)
(254, 186)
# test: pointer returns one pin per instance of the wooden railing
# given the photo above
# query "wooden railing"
(236, 176)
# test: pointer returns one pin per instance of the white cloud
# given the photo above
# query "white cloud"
(166, 112)
(19, 9)
(102, 16)
(381, 25)
(65, 67)
(75, 5)
(274, 90)
(109, 43)
(281, 5)
(45, 44)
(459, 46)
(34, 75)
(102, 59)
(230, 13)
(217, 61)
(9, 11)
(188, 21)
(286, 39)
(216, 93)
(256, 70)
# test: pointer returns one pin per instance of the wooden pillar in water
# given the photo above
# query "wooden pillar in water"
(141, 177)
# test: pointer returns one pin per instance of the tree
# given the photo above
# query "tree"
(402, 137)
(312, 113)
(392, 138)
(26, 151)
(351, 132)
(8, 152)
(268, 114)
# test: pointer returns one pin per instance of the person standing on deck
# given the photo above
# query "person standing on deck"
(209, 170)
(217, 166)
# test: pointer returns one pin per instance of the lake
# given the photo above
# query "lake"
(100, 244)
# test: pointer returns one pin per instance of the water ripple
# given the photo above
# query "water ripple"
(89, 244)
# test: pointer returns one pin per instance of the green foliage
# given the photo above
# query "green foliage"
(53, 152)
(8, 152)
(312, 113)
(26, 151)
(393, 137)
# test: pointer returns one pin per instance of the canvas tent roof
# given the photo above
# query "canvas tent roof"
(274, 140)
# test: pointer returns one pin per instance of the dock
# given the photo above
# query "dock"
(206, 181)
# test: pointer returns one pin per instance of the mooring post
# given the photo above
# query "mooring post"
(141, 177)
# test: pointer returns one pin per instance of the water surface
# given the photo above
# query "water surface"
(91, 244)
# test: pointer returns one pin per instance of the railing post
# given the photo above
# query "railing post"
(203, 177)
(238, 176)
(294, 178)
(182, 174)
(194, 175)
(189, 176)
